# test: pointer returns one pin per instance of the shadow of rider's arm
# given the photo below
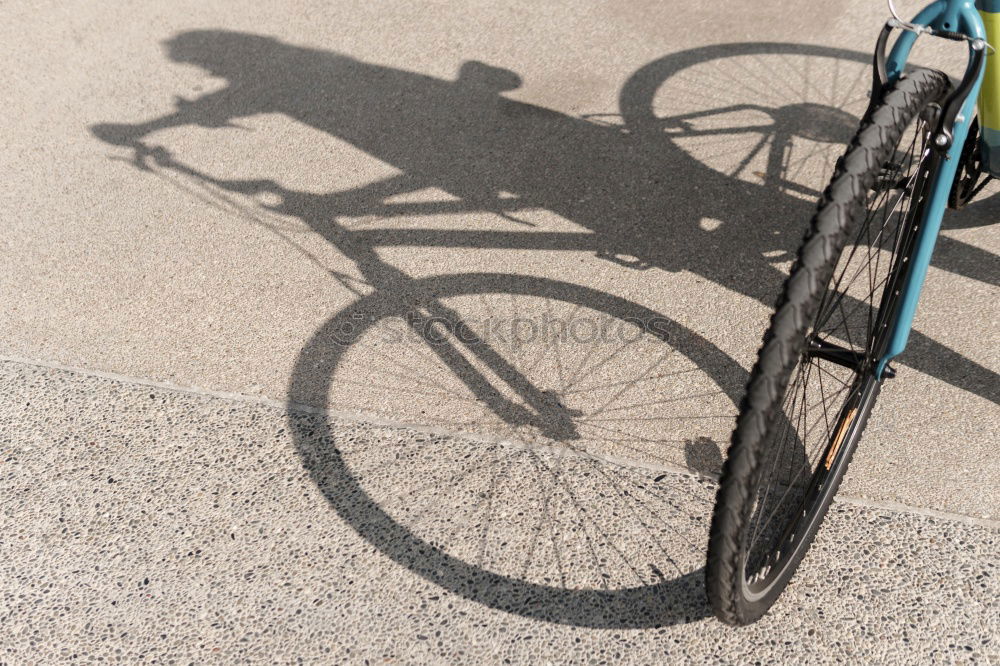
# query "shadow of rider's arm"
(213, 110)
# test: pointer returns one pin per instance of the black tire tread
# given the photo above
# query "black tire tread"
(839, 206)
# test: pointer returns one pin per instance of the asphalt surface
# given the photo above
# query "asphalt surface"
(222, 440)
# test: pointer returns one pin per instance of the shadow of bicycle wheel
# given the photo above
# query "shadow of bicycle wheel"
(549, 529)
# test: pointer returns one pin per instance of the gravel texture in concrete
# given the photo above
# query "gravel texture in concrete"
(146, 523)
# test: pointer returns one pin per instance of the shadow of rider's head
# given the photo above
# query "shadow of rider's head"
(225, 53)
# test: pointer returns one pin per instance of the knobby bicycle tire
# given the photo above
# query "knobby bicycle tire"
(739, 596)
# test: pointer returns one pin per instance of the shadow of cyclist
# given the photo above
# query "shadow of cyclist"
(642, 198)
(638, 197)
(464, 137)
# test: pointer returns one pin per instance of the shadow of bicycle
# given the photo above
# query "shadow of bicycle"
(564, 505)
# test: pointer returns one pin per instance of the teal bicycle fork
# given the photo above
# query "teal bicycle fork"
(954, 19)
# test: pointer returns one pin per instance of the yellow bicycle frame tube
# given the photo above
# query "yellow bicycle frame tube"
(989, 94)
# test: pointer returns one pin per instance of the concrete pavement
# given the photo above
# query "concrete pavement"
(144, 523)
(311, 175)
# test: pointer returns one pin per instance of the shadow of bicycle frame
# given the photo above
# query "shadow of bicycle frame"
(637, 194)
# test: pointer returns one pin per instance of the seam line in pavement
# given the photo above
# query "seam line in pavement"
(355, 417)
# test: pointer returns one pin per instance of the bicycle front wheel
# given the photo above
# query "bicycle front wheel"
(814, 384)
